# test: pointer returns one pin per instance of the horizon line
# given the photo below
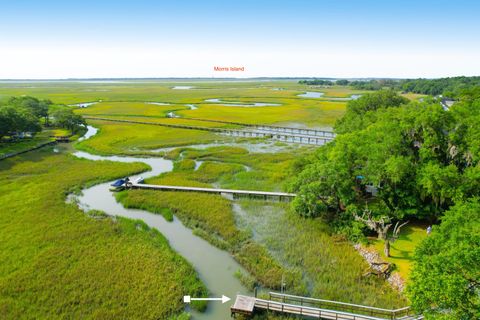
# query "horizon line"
(226, 78)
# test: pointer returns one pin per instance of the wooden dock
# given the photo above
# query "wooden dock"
(243, 305)
(317, 308)
(284, 136)
(271, 128)
(264, 195)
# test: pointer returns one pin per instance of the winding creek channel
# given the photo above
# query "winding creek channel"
(215, 267)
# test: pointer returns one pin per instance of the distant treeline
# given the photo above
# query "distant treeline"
(317, 82)
(356, 84)
(446, 86)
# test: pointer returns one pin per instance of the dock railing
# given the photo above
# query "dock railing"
(319, 313)
(342, 306)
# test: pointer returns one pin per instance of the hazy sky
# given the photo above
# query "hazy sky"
(350, 38)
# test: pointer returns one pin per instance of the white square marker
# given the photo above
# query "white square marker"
(186, 299)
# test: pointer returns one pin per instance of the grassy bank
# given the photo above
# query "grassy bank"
(59, 263)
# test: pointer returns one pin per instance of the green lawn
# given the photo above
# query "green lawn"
(59, 263)
(401, 251)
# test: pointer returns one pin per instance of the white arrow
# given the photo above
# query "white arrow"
(188, 299)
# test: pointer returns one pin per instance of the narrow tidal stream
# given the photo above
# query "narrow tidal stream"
(215, 267)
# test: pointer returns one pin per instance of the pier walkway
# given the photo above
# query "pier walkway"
(265, 195)
(317, 308)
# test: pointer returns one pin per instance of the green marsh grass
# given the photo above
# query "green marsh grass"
(136, 139)
(57, 262)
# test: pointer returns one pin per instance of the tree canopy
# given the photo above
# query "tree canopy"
(419, 158)
(39, 108)
(393, 160)
(65, 118)
(24, 114)
(445, 282)
(448, 86)
(451, 87)
(317, 82)
(14, 121)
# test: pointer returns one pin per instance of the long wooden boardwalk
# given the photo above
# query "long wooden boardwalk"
(317, 308)
(265, 195)
(271, 128)
(282, 136)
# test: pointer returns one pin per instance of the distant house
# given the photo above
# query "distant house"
(369, 188)
(446, 102)
(22, 135)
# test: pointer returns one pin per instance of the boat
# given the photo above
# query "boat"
(118, 185)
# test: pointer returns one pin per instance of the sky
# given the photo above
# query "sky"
(324, 38)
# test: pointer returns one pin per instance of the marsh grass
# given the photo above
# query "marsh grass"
(268, 171)
(331, 267)
(185, 175)
(137, 139)
(58, 262)
(211, 217)
(184, 165)
(197, 210)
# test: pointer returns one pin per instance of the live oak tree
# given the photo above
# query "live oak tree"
(39, 108)
(381, 225)
(400, 159)
(417, 160)
(22, 114)
(445, 281)
(359, 113)
(14, 121)
(65, 118)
